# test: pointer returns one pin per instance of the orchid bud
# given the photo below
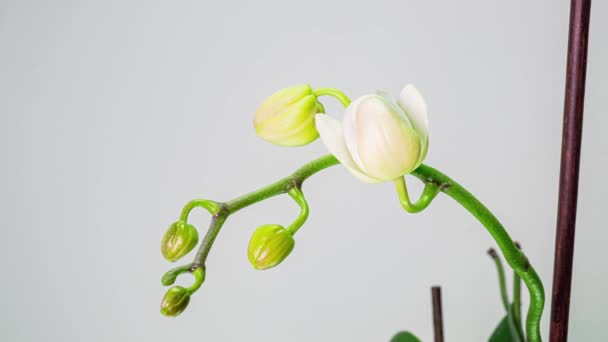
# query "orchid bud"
(178, 241)
(269, 246)
(379, 139)
(286, 118)
(175, 301)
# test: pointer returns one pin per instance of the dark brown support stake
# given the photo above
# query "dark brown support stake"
(437, 313)
(568, 182)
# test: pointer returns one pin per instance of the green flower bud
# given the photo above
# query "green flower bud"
(269, 246)
(169, 278)
(287, 117)
(175, 301)
(171, 275)
(178, 241)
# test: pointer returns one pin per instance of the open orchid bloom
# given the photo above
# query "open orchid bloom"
(379, 139)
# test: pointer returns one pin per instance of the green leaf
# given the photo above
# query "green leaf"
(405, 336)
(502, 333)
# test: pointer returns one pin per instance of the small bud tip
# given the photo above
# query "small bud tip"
(492, 253)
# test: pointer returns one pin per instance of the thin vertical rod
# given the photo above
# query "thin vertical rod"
(568, 182)
(437, 313)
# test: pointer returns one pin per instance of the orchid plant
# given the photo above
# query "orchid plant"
(380, 139)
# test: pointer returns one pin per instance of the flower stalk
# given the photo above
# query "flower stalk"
(429, 193)
(407, 122)
(509, 308)
(501, 278)
(516, 259)
(298, 196)
(517, 298)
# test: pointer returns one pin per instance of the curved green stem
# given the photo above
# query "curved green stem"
(515, 258)
(517, 297)
(298, 196)
(517, 300)
(516, 308)
(281, 186)
(214, 229)
(197, 271)
(515, 331)
(333, 92)
(170, 276)
(199, 278)
(211, 206)
(501, 279)
(428, 194)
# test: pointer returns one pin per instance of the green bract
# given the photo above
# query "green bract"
(287, 117)
(269, 246)
(175, 301)
(179, 239)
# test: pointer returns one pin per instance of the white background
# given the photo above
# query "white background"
(113, 114)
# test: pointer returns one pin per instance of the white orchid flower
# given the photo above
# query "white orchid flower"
(379, 140)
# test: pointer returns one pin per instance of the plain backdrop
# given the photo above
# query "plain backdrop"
(114, 114)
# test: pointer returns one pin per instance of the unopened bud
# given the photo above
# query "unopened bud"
(269, 246)
(287, 117)
(178, 241)
(175, 301)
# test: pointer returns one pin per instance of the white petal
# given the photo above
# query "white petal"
(390, 101)
(414, 105)
(351, 118)
(386, 144)
(332, 135)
